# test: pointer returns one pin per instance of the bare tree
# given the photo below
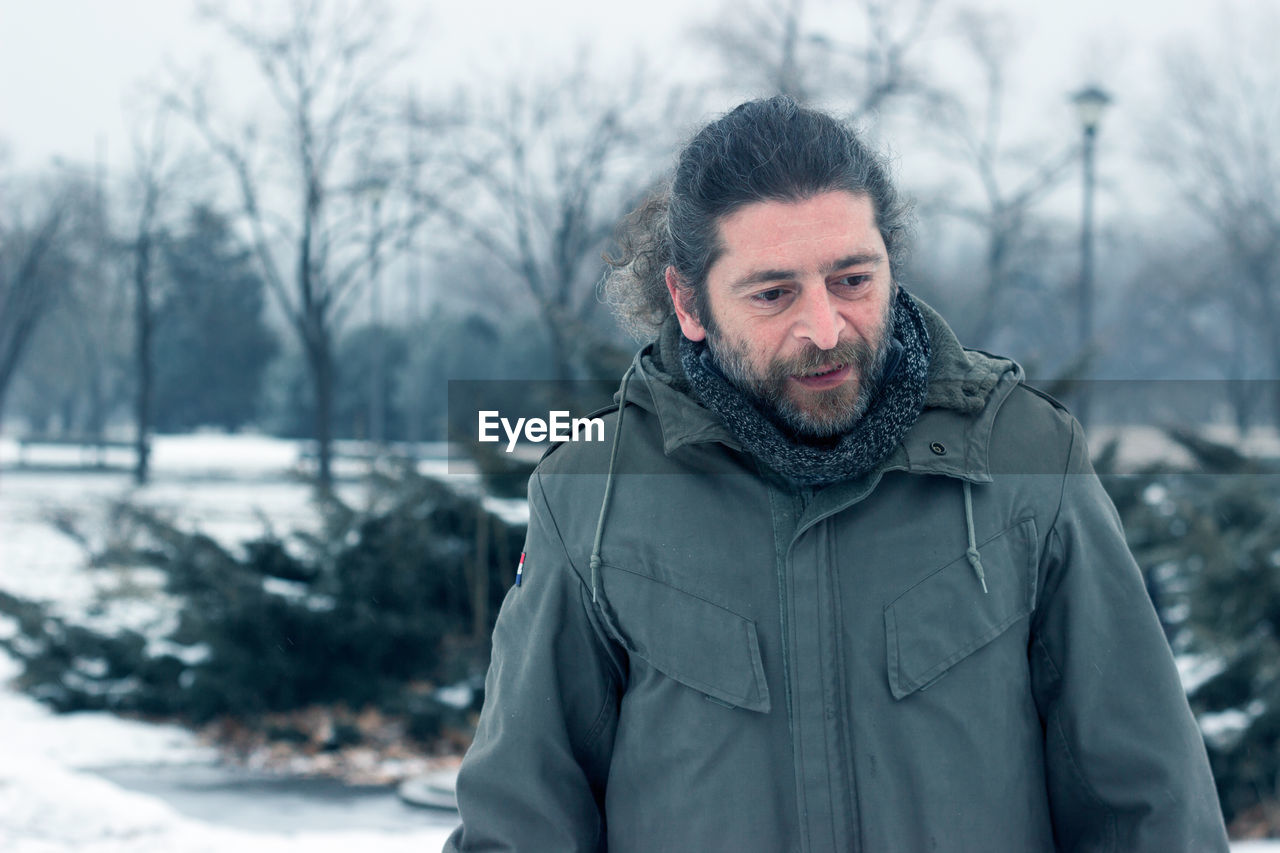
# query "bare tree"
(1217, 137)
(31, 266)
(542, 177)
(789, 47)
(66, 324)
(1011, 179)
(884, 67)
(1167, 304)
(151, 187)
(769, 40)
(301, 193)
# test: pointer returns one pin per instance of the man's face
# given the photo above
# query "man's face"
(800, 301)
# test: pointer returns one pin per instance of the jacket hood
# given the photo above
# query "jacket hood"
(966, 388)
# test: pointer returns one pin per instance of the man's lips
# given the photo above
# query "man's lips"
(830, 378)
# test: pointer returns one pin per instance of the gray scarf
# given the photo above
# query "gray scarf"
(894, 409)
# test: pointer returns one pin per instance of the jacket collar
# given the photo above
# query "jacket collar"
(952, 435)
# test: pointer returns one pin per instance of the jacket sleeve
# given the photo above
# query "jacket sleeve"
(534, 777)
(1126, 764)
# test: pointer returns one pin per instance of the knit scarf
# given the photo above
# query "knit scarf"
(894, 408)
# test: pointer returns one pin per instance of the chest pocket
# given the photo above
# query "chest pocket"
(946, 617)
(694, 641)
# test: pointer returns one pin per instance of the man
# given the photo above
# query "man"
(837, 583)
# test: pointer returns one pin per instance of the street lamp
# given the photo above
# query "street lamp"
(1090, 102)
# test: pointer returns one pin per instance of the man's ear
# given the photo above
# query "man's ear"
(680, 298)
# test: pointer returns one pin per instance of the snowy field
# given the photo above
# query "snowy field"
(1145, 445)
(51, 801)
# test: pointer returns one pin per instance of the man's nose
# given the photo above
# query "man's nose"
(819, 319)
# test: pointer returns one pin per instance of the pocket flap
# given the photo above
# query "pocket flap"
(694, 641)
(946, 617)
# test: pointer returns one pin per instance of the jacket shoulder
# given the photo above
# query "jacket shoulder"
(589, 453)
(1033, 433)
(640, 445)
(592, 435)
(1044, 395)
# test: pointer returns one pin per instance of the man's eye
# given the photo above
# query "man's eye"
(853, 280)
(769, 295)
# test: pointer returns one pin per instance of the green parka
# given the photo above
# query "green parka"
(753, 666)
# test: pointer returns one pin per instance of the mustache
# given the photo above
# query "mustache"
(812, 358)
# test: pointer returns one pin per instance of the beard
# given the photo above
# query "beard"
(809, 414)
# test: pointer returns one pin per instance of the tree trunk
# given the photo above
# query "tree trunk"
(97, 415)
(480, 578)
(6, 373)
(562, 391)
(144, 318)
(13, 348)
(558, 347)
(320, 362)
(1273, 339)
(1260, 268)
(997, 248)
(1239, 392)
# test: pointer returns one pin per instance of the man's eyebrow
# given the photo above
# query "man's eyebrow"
(761, 276)
(767, 275)
(856, 260)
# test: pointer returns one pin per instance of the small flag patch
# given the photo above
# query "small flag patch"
(520, 569)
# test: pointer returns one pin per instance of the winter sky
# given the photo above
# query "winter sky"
(71, 67)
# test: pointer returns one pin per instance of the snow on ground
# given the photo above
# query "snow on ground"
(230, 487)
(1197, 669)
(1142, 445)
(51, 803)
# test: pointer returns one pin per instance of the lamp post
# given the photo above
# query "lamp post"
(1090, 102)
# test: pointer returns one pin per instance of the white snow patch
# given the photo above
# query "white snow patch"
(1225, 727)
(1141, 445)
(299, 592)
(513, 511)
(49, 803)
(1154, 494)
(190, 655)
(292, 590)
(455, 695)
(91, 667)
(29, 731)
(223, 453)
(47, 809)
(1197, 669)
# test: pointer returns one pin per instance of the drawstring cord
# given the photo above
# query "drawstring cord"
(608, 483)
(975, 559)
